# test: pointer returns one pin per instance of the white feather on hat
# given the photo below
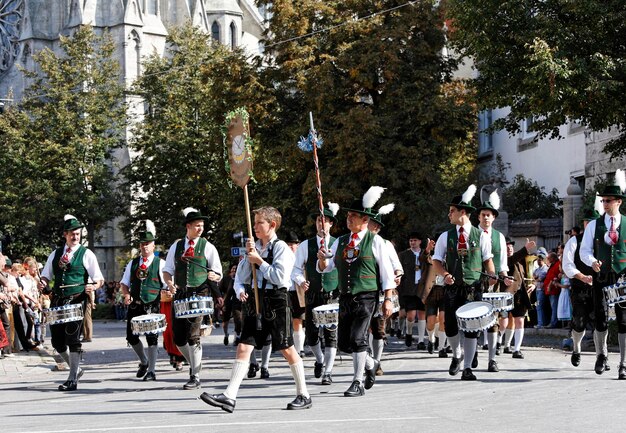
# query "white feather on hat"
(333, 207)
(494, 200)
(597, 205)
(372, 196)
(189, 209)
(69, 217)
(150, 227)
(469, 193)
(386, 209)
(620, 179)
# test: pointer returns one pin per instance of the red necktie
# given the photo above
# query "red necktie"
(143, 263)
(612, 233)
(462, 242)
(353, 240)
(66, 256)
(189, 252)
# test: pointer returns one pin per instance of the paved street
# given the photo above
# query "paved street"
(541, 393)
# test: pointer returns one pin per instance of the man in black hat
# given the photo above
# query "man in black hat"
(581, 279)
(362, 260)
(465, 250)
(318, 289)
(410, 303)
(76, 273)
(141, 284)
(192, 268)
(603, 248)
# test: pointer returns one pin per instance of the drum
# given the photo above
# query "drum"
(148, 324)
(196, 306)
(63, 314)
(395, 305)
(500, 301)
(615, 293)
(475, 316)
(326, 316)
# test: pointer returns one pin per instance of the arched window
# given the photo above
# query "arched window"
(215, 31)
(233, 35)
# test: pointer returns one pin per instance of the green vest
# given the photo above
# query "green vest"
(496, 249)
(149, 288)
(470, 266)
(328, 281)
(612, 256)
(187, 274)
(74, 273)
(362, 274)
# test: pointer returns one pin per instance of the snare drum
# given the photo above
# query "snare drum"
(148, 324)
(395, 305)
(615, 293)
(475, 316)
(500, 301)
(326, 316)
(196, 306)
(63, 314)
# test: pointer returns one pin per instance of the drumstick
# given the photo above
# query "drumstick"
(500, 278)
(188, 260)
(71, 285)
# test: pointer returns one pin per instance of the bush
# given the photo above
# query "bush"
(103, 311)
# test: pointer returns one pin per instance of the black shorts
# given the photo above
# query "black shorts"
(435, 303)
(297, 312)
(411, 303)
(275, 320)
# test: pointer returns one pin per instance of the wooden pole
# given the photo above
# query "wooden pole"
(250, 236)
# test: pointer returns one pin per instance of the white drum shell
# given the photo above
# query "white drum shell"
(326, 316)
(63, 314)
(195, 306)
(148, 324)
(615, 293)
(500, 301)
(475, 316)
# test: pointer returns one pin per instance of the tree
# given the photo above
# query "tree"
(553, 60)
(384, 101)
(525, 199)
(178, 145)
(58, 143)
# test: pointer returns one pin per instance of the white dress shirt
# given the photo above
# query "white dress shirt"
(126, 277)
(210, 253)
(90, 262)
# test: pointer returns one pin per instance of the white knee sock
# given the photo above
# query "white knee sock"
(265, 355)
(298, 340)
(409, 327)
(469, 346)
(519, 336)
(577, 338)
(329, 359)
(492, 340)
(138, 348)
(358, 362)
(377, 349)
(599, 338)
(431, 335)
(442, 340)
(152, 358)
(621, 339)
(508, 336)
(297, 370)
(66, 356)
(239, 371)
(455, 345)
(421, 329)
(317, 351)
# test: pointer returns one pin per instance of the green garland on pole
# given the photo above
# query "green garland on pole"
(241, 111)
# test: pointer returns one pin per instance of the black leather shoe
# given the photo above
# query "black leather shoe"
(252, 370)
(475, 360)
(443, 353)
(370, 375)
(498, 345)
(575, 359)
(408, 340)
(600, 364)
(225, 339)
(68, 385)
(485, 347)
(219, 400)
(327, 379)
(455, 366)
(193, 383)
(621, 373)
(421, 346)
(149, 376)
(493, 366)
(392, 332)
(265, 373)
(507, 349)
(142, 370)
(300, 402)
(355, 390)
(518, 354)
(431, 347)
(467, 374)
(317, 370)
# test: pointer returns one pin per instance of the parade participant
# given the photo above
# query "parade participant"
(72, 267)
(141, 284)
(581, 279)
(487, 213)
(465, 250)
(274, 261)
(296, 301)
(362, 261)
(232, 306)
(192, 268)
(603, 248)
(378, 323)
(318, 289)
(411, 306)
(521, 294)
(431, 291)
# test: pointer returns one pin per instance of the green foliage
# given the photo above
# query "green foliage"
(58, 144)
(525, 199)
(557, 60)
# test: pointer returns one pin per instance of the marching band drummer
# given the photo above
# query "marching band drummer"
(603, 248)
(141, 285)
(192, 267)
(273, 261)
(71, 267)
(362, 260)
(465, 250)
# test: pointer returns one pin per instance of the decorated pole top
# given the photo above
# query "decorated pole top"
(239, 146)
